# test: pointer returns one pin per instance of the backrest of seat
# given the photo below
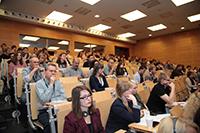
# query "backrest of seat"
(69, 83)
(63, 110)
(103, 101)
(144, 95)
(33, 101)
(20, 82)
(112, 83)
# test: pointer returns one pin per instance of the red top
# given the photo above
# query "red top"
(76, 125)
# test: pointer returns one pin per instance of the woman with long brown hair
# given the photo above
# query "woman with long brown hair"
(124, 109)
(84, 117)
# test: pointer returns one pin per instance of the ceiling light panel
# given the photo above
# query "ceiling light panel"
(30, 38)
(59, 16)
(24, 45)
(90, 46)
(157, 27)
(64, 42)
(53, 48)
(100, 27)
(78, 50)
(181, 2)
(194, 18)
(91, 2)
(134, 15)
(126, 35)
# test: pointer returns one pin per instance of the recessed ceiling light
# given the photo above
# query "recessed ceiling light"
(157, 27)
(194, 18)
(91, 2)
(181, 2)
(64, 42)
(100, 27)
(30, 38)
(150, 34)
(90, 46)
(134, 15)
(78, 50)
(58, 16)
(126, 35)
(53, 48)
(182, 28)
(97, 16)
(24, 45)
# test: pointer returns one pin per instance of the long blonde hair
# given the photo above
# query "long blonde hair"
(123, 86)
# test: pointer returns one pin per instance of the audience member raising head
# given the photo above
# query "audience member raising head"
(83, 113)
(124, 110)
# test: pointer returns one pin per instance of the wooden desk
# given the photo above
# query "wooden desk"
(142, 127)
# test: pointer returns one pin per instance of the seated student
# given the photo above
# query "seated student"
(97, 80)
(138, 76)
(187, 122)
(150, 74)
(124, 110)
(121, 70)
(178, 71)
(48, 89)
(162, 93)
(190, 82)
(110, 67)
(63, 61)
(84, 117)
(74, 70)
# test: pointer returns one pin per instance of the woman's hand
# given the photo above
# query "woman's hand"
(133, 99)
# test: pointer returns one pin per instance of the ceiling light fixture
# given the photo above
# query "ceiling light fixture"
(90, 46)
(157, 27)
(126, 35)
(97, 16)
(181, 2)
(53, 48)
(23, 45)
(58, 16)
(91, 2)
(182, 28)
(100, 27)
(134, 15)
(30, 38)
(64, 42)
(194, 18)
(150, 35)
(78, 50)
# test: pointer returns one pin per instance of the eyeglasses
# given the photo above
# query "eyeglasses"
(85, 97)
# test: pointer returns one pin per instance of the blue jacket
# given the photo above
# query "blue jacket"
(120, 117)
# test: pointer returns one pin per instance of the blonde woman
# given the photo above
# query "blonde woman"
(185, 123)
(124, 109)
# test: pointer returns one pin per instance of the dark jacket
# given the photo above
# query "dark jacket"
(75, 125)
(95, 84)
(120, 117)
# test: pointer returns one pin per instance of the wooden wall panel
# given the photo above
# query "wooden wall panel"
(183, 47)
(10, 30)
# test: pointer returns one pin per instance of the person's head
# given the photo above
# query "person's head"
(152, 69)
(25, 50)
(14, 48)
(50, 70)
(82, 98)
(75, 63)
(98, 69)
(62, 56)
(142, 69)
(19, 50)
(163, 79)
(192, 105)
(111, 62)
(124, 88)
(91, 58)
(120, 65)
(35, 49)
(34, 62)
(174, 125)
(190, 74)
(41, 57)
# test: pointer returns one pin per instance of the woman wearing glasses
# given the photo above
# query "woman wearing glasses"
(84, 117)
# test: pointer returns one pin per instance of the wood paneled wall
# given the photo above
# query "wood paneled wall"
(182, 47)
(10, 30)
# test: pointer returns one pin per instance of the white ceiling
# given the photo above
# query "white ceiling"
(162, 11)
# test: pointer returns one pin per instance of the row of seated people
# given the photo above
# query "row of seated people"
(160, 94)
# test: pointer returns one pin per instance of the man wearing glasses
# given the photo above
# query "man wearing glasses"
(48, 89)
